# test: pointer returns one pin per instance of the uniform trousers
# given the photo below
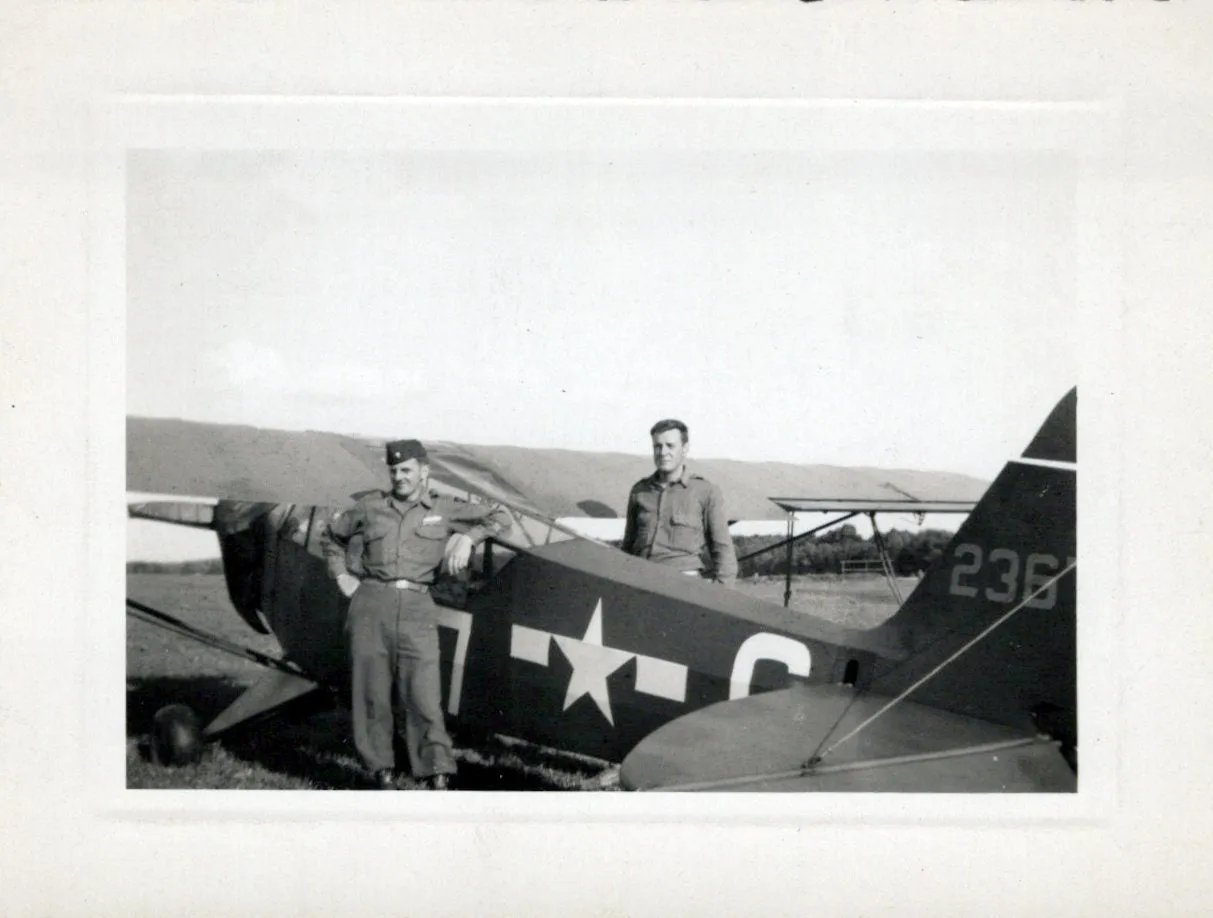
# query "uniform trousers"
(394, 650)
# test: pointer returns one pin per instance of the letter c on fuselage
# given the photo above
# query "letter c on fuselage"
(763, 646)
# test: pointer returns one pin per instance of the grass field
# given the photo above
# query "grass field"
(857, 602)
(312, 748)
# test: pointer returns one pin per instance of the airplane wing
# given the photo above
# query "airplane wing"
(180, 513)
(242, 463)
(851, 505)
(235, 462)
(571, 483)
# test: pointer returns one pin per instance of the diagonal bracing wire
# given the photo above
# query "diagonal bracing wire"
(175, 625)
(944, 664)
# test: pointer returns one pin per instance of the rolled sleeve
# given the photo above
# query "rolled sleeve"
(481, 521)
(335, 539)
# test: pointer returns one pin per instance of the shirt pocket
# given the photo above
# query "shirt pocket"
(686, 531)
(430, 541)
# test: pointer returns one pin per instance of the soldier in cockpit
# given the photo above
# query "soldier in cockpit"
(677, 518)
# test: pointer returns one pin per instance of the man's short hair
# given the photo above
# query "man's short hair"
(670, 424)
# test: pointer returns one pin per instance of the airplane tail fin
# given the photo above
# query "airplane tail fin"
(990, 629)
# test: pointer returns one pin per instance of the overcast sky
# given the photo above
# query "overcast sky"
(900, 309)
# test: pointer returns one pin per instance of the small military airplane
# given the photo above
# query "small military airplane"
(563, 641)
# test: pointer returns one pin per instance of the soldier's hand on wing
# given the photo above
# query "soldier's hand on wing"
(347, 584)
(458, 553)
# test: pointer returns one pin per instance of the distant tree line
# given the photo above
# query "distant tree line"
(910, 552)
(208, 566)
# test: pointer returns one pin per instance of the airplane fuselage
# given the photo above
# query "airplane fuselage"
(572, 645)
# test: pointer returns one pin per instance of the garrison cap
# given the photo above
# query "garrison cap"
(403, 450)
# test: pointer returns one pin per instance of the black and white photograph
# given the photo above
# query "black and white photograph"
(689, 426)
(399, 403)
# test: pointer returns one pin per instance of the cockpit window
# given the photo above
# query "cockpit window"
(304, 525)
(295, 524)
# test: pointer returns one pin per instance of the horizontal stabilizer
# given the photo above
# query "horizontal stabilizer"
(272, 691)
(765, 743)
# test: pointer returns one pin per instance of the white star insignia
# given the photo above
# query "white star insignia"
(593, 662)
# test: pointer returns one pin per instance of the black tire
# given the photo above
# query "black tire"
(176, 736)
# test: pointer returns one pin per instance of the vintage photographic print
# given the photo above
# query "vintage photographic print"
(666, 448)
(640, 437)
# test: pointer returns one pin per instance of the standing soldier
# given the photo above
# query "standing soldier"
(677, 518)
(396, 542)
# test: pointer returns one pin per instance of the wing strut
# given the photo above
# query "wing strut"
(886, 563)
(789, 542)
(169, 623)
(284, 683)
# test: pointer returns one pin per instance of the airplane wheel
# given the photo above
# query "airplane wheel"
(176, 737)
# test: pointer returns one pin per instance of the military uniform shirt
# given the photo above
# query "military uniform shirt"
(385, 538)
(673, 524)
